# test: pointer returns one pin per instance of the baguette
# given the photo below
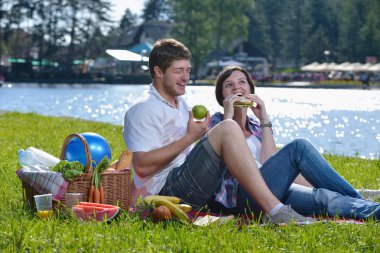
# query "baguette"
(113, 165)
(125, 160)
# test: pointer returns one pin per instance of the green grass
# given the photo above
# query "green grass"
(21, 230)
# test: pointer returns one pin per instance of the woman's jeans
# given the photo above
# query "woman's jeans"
(200, 176)
(332, 194)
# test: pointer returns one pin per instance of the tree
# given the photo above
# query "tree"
(230, 21)
(292, 31)
(156, 10)
(58, 23)
(197, 37)
(129, 19)
(265, 27)
(3, 24)
(207, 25)
(259, 31)
(82, 20)
(320, 30)
(370, 34)
(351, 21)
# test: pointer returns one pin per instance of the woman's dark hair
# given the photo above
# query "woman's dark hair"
(224, 74)
(164, 52)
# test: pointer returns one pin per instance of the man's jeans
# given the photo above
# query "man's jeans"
(332, 194)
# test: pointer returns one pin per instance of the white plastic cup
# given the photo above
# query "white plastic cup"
(44, 205)
(73, 199)
(44, 202)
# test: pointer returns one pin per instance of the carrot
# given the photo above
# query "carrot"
(101, 191)
(91, 194)
(96, 195)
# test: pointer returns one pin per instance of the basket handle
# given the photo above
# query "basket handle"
(88, 167)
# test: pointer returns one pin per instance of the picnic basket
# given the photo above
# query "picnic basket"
(116, 184)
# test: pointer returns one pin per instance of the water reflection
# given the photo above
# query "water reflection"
(337, 121)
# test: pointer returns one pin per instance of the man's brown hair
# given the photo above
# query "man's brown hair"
(164, 52)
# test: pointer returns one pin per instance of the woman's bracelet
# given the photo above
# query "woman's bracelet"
(268, 124)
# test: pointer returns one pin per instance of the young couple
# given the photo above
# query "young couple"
(235, 167)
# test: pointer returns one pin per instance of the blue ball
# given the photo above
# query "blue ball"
(98, 145)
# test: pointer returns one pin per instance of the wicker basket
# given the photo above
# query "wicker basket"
(116, 184)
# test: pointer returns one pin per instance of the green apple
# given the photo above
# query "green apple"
(199, 111)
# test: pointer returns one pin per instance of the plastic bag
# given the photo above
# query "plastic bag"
(33, 156)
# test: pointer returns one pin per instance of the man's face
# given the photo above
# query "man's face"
(176, 77)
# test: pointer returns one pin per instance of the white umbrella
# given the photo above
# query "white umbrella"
(332, 66)
(125, 55)
(310, 67)
(232, 62)
(224, 63)
(323, 67)
(342, 67)
(353, 67)
(365, 67)
(375, 68)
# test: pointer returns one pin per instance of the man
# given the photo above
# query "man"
(161, 132)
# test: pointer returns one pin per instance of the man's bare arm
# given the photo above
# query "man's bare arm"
(149, 163)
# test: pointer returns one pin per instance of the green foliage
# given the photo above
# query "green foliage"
(22, 230)
(69, 170)
(51, 23)
(267, 18)
(303, 29)
(128, 20)
(193, 27)
(290, 31)
(155, 10)
(230, 21)
(206, 25)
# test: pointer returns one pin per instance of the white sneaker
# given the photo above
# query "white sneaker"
(287, 215)
(369, 194)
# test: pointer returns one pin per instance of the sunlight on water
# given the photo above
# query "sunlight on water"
(337, 121)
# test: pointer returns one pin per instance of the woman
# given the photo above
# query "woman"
(281, 169)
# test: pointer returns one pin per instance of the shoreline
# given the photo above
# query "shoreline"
(278, 146)
(292, 85)
(306, 85)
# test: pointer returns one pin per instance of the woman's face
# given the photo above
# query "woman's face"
(236, 83)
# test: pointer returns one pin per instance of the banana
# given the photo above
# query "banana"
(174, 209)
(184, 207)
(149, 200)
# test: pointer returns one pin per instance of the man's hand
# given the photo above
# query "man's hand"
(196, 129)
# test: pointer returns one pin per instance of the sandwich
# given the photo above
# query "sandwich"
(244, 102)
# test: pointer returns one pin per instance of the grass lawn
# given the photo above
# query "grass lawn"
(21, 230)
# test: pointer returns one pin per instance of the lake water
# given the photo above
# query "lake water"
(344, 122)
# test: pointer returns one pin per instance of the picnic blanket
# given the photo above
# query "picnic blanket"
(247, 219)
(44, 181)
(206, 218)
